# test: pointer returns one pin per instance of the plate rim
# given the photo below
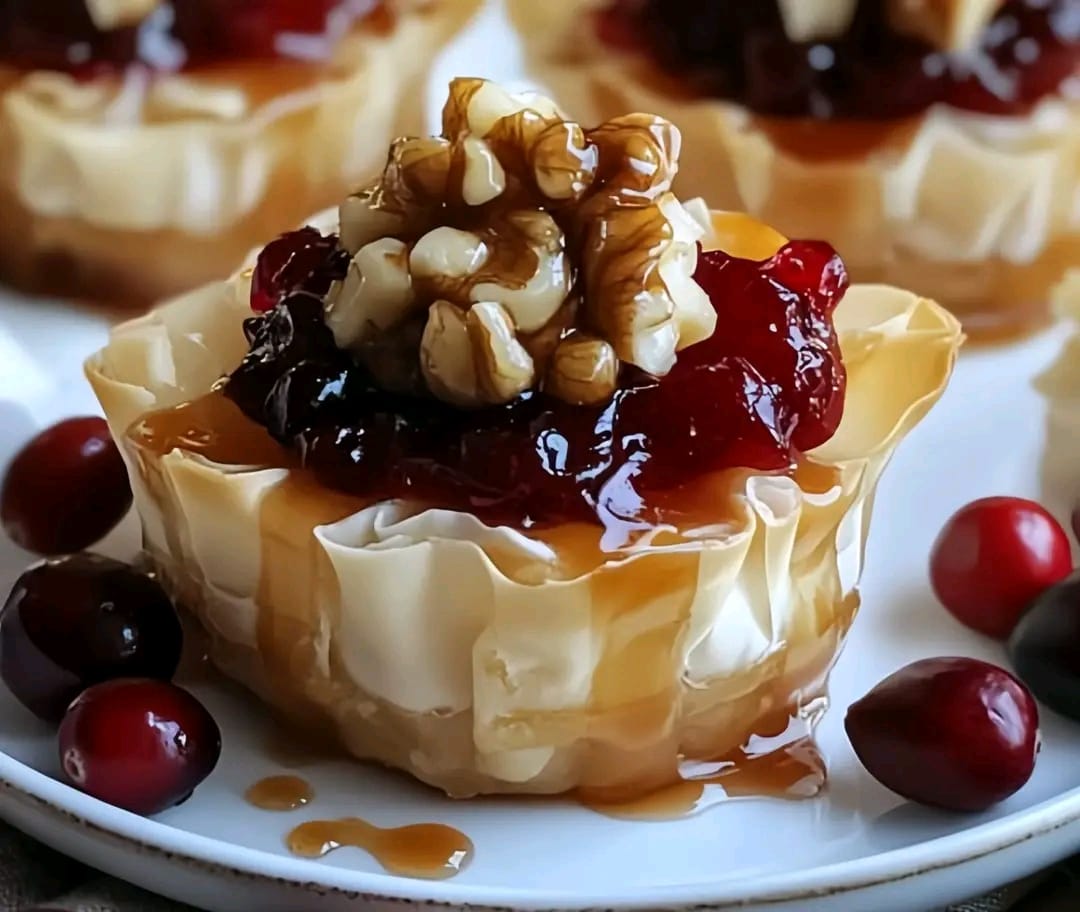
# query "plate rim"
(45, 795)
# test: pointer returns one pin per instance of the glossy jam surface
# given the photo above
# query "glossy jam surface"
(178, 35)
(739, 50)
(765, 388)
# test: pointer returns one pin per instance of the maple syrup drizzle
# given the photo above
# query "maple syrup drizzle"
(815, 477)
(294, 566)
(428, 850)
(792, 772)
(280, 793)
(212, 427)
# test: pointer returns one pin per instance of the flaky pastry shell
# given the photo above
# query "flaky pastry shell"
(480, 659)
(977, 212)
(128, 190)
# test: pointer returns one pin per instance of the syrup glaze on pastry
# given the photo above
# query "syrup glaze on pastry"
(573, 650)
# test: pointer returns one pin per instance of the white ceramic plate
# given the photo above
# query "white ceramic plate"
(858, 847)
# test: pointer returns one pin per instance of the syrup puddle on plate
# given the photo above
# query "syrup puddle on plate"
(432, 851)
(280, 793)
(787, 767)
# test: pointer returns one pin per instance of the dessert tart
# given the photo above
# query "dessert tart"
(934, 143)
(1060, 384)
(500, 479)
(147, 145)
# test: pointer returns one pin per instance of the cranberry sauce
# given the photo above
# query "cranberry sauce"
(768, 385)
(179, 34)
(739, 50)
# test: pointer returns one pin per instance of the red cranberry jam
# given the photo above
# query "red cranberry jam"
(179, 34)
(767, 386)
(739, 50)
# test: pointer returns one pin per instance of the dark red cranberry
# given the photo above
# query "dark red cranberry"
(290, 342)
(1075, 518)
(313, 389)
(66, 488)
(953, 733)
(180, 34)
(749, 396)
(739, 50)
(993, 558)
(1045, 647)
(138, 744)
(290, 264)
(80, 620)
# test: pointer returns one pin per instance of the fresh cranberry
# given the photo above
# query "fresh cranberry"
(138, 744)
(293, 262)
(748, 396)
(181, 34)
(993, 557)
(954, 733)
(65, 489)
(81, 620)
(739, 50)
(1045, 647)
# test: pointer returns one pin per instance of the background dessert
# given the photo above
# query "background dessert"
(432, 632)
(934, 144)
(147, 146)
(1060, 384)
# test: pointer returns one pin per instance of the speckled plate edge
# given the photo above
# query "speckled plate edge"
(45, 797)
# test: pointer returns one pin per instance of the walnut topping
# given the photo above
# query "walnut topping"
(583, 371)
(376, 295)
(537, 254)
(114, 14)
(446, 356)
(951, 25)
(814, 20)
(504, 369)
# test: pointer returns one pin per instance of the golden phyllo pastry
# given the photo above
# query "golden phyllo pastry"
(517, 473)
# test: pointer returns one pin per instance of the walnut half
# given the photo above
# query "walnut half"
(817, 20)
(539, 253)
(114, 14)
